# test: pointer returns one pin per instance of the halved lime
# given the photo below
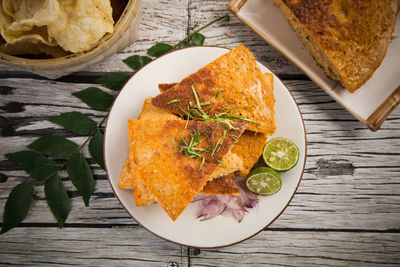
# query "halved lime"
(264, 183)
(264, 170)
(281, 154)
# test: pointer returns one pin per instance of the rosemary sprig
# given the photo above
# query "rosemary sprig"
(218, 94)
(192, 147)
(173, 101)
(231, 108)
(196, 112)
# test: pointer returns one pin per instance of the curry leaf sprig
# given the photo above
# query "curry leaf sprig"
(42, 160)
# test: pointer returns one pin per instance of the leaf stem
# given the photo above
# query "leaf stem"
(77, 150)
(91, 134)
(226, 16)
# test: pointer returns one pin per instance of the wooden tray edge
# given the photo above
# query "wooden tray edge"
(235, 5)
(376, 119)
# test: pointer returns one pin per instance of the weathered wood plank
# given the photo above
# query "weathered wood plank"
(345, 212)
(350, 181)
(117, 246)
(276, 248)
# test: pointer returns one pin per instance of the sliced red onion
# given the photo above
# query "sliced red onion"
(214, 205)
(213, 208)
(246, 197)
(238, 214)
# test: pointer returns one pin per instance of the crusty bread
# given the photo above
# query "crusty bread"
(348, 38)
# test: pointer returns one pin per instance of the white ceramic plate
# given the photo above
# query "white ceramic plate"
(187, 230)
(371, 103)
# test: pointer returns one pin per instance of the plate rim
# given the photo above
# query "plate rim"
(188, 245)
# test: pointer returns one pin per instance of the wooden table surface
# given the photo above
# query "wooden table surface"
(346, 210)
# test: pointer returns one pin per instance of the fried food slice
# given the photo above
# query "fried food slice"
(221, 186)
(217, 185)
(249, 149)
(232, 81)
(171, 177)
(151, 112)
(250, 144)
(349, 39)
(130, 178)
(165, 86)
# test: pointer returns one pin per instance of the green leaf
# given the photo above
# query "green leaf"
(81, 176)
(113, 80)
(54, 146)
(198, 38)
(96, 148)
(75, 122)
(183, 44)
(95, 98)
(35, 164)
(159, 49)
(57, 198)
(17, 206)
(136, 62)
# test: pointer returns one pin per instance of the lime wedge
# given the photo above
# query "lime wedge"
(264, 170)
(264, 183)
(281, 154)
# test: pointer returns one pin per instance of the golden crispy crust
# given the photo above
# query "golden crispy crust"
(151, 112)
(249, 149)
(242, 82)
(165, 86)
(130, 178)
(250, 144)
(225, 185)
(349, 38)
(174, 179)
(125, 180)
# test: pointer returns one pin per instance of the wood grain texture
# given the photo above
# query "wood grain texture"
(340, 185)
(310, 248)
(345, 213)
(117, 246)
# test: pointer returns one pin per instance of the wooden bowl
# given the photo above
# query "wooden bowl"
(125, 32)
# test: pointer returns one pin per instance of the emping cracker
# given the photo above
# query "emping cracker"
(81, 24)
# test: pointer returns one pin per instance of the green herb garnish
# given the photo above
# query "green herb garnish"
(191, 147)
(173, 101)
(197, 112)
